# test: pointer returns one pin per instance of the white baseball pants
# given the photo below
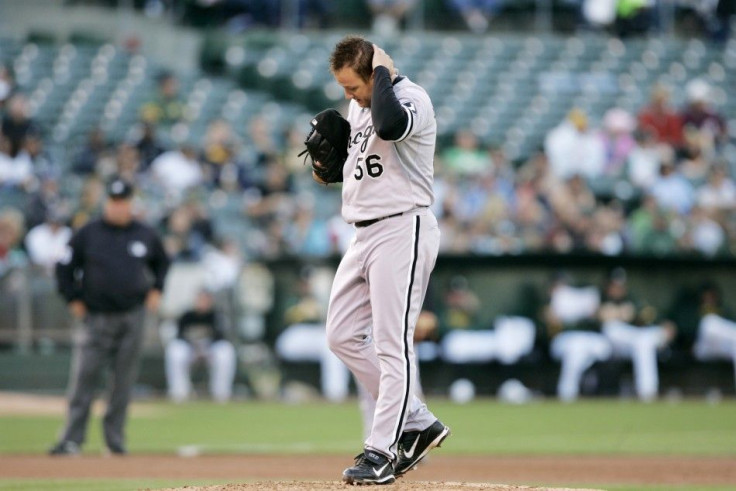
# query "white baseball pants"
(376, 297)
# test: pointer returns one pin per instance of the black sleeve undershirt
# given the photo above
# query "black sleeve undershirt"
(389, 117)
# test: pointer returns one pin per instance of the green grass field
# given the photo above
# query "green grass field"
(484, 427)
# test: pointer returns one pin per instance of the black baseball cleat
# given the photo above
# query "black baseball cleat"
(370, 468)
(65, 448)
(117, 450)
(415, 445)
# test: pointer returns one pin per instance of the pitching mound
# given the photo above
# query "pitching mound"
(306, 472)
(399, 486)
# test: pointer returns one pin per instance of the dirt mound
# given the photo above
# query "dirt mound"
(399, 486)
(283, 472)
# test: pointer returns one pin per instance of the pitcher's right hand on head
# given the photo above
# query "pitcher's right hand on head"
(381, 58)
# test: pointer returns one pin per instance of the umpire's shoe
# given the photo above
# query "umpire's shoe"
(414, 445)
(65, 448)
(370, 468)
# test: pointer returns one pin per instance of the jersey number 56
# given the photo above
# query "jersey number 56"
(372, 166)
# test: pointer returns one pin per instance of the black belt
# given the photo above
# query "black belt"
(365, 223)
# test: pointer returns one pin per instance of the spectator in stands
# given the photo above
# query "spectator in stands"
(90, 202)
(696, 156)
(671, 190)
(605, 234)
(718, 194)
(167, 107)
(260, 146)
(531, 216)
(642, 168)
(177, 171)
(650, 231)
(185, 233)
(599, 14)
(465, 157)
(715, 17)
(659, 118)
(128, 162)
(617, 139)
(46, 242)
(289, 155)
(703, 234)
(17, 122)
(634, 331)
(12, 228)
(42, 162)
(699, 116)
(576, 341)
(271, 196)
(535, 186)
(492, 230)
(720, 30)
(46, 197)
(16, 171)
(388, 15)
(635, 17)
(573, 205)
(201, 219)
(307, 234)
(7, 84)
(502, 165)
(573, 148)
(238, 15)
(94, 150)
(477, 14)
(219, 151)
(537, 174)
(313, 14)
(482, 199)
(201, 336)
(148, 144)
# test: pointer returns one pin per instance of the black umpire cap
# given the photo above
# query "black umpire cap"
(118, 188)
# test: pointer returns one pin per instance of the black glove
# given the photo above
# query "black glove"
(327, 143)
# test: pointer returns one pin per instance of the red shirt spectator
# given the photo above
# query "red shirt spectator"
(660, 119)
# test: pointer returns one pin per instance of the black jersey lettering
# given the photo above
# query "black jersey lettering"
(373, 167)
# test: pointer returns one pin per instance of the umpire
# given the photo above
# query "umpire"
(114, 268)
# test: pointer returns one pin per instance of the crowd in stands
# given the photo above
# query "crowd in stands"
(659, 182)
(623, 18)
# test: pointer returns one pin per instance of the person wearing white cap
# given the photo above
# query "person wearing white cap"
(699, 114)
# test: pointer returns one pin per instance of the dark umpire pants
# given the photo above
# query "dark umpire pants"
(108, 340)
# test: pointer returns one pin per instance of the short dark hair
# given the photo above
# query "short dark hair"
(353, 52)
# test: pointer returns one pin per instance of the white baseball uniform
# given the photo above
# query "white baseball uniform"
(380, 284)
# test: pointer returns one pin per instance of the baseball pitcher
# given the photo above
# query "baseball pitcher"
(379, 287)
